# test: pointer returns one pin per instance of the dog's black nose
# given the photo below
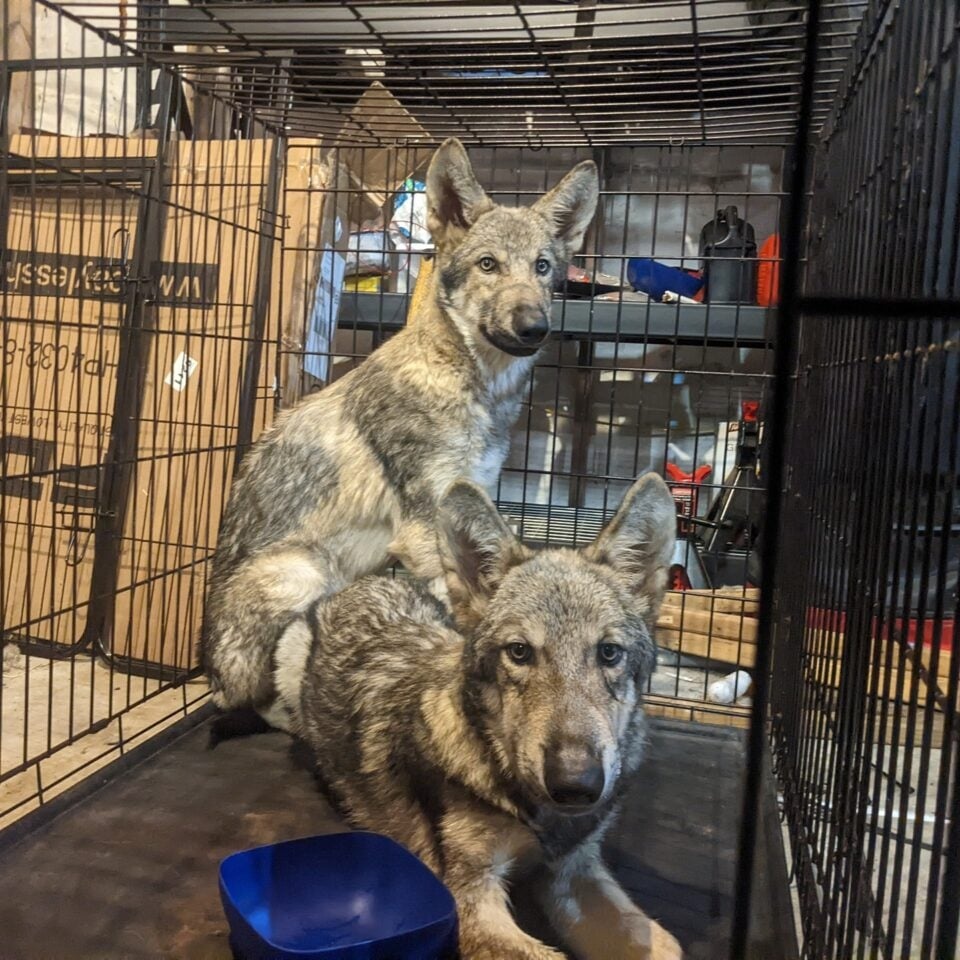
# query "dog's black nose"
(573, 779)
(530, 328)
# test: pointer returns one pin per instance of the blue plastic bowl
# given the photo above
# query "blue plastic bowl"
(342, 896)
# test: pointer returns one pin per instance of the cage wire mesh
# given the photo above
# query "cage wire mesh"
(865, 678)
(133, 267)
(210, 210)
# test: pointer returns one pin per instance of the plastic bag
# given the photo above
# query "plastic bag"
(409, 233)
(368, 252)
(409, 221)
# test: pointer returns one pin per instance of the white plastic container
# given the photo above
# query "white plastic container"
(731, 688)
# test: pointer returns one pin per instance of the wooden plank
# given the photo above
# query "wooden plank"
(827, 645)
(725, 625)
(824, 667)
(884, 728)
(737, 600)
(681, 708)
(906, 734)
(423, 288)
(710, 648)
(885, 685)
(743, 593)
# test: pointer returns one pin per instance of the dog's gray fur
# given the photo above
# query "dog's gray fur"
(351, 477)
(426, 729)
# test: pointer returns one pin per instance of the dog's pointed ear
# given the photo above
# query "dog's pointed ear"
(639, 541)
(571, 204)
(476, 549)
(454, 198)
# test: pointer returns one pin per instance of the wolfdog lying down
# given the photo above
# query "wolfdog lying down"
(496, 742)
(351, 477)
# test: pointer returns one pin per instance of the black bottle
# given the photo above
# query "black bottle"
(730, 270)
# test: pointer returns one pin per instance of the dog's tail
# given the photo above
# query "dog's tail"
(239, 722)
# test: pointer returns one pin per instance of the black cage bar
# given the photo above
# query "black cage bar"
(864, 697)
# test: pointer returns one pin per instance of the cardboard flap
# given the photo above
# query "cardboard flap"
(384, 143)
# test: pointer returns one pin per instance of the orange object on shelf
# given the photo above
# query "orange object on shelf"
(768, 272)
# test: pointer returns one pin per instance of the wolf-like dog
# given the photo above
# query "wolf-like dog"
(351, 477)
(496, 738)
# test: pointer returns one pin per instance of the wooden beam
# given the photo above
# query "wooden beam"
(731, 600)
(708, 647)
(726, 625)
(699, 711)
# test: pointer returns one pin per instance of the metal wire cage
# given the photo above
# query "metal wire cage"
(133, 266)
(208, 210)
(864, 696)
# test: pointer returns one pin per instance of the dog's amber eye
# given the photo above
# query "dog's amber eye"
(519, 652)
(543, 266)
(610, 654)
(487, 264)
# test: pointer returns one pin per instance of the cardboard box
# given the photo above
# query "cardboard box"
(385, 146)
(61, 312)
(67, 252)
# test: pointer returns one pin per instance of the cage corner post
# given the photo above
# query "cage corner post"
(785, 343)
(138, 324)
(270, 231)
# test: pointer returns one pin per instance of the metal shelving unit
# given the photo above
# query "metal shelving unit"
(600, 320)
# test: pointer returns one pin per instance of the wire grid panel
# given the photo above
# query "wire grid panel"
(135, 142)
(515, 73)
(133, 306)
(865, 695)
(626, 385)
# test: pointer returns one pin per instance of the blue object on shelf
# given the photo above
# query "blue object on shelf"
(495, 74)
(342, 896)
(655, 279)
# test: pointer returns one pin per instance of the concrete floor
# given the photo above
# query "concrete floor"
(64, 719)
(914, 824)
(131, 869)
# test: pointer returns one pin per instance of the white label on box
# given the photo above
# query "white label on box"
(183, 368)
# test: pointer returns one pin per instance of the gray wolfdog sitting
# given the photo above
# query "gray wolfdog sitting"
(498, 741)
(351, 477)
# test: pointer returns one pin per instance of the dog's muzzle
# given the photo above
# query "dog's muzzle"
(509, 344)
(529, 329)
(573, 776)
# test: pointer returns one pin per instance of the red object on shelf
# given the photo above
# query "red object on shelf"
(686, 496)
(698, 296)
(698, 475)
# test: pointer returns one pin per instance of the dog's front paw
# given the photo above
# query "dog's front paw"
(663, 945)
(511, 951)
(649, 941)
